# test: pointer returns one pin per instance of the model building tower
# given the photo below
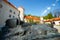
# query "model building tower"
(41, 21)
(21, 9)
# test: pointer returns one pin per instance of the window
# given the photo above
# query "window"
(13, 16)
(10, 16)
(1, 6)
(10, 10)
(14, 12)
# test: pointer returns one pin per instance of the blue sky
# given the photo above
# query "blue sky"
(37, 7)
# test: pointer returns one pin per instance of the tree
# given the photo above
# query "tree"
(45, 17)
(31, 21)
(48, 16)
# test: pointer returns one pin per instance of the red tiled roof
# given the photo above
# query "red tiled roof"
(32, 17)
(53, 19)
(56, 19)
(27, 17)
(35, 18)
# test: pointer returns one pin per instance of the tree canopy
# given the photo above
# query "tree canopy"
(48, 16)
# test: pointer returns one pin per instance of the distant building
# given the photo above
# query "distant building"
(7, 11)
(33, 19)
(55, 20)
(56, 23)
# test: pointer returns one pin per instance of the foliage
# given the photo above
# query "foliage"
(30, 21)
(48, 16)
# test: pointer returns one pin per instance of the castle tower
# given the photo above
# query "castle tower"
(41, 21)
(21, 9)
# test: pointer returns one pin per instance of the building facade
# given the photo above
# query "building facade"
(32, 19)
(55, 20)
(7, 11)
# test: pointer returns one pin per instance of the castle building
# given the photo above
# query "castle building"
(8, 10)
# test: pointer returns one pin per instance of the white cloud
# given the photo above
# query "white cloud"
(44, 12)
(48, 8)
(53, 4)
